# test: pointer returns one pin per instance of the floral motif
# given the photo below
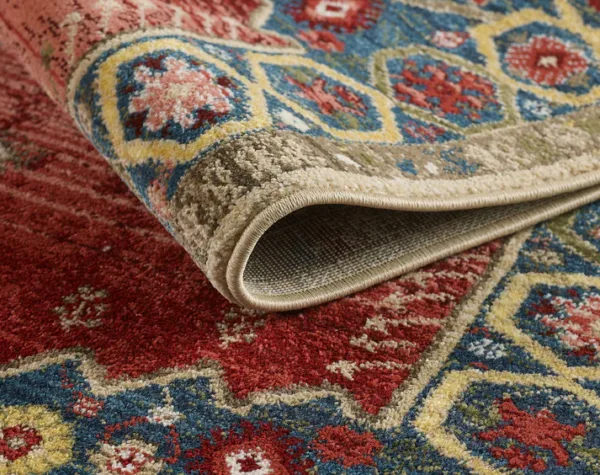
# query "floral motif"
(323, 40)
(343, 445)
(247, 448)
(84, 308)
(33, 440)
(488, 349)
(444, 89)
(157, 196)
(18, 441)
(87, 406)
(449, 39)
(129, 458)
(546, 60)
(339, 15)
(577, 323)
(540, 430)
(330, 100)
(178, 94)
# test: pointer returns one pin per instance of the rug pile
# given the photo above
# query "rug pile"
(340, 143)
(302, 150)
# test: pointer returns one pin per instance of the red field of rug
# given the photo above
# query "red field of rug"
(83, 267)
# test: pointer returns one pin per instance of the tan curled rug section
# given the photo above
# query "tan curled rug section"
(301, 150)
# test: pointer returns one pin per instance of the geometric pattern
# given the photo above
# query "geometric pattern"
(566, 377)
(353, 75)
(432, 421)
(473, 400)
(121, 390)
(487, 34)
(139, 366)
(135, 149)
(460, 83)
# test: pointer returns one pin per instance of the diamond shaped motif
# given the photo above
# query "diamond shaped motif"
(548, 57)
(565, 320)
(525, 427)
(554, 316)
(543, 55)
(168, 99)
(448, 91)
(494, 421)
(340, 105)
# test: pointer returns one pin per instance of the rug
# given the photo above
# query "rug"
(302, 150)
(118, 357)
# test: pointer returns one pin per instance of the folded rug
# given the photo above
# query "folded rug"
(117, 357)
(301, 150)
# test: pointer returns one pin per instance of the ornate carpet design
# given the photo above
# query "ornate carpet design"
(117, 356)
(302, 150)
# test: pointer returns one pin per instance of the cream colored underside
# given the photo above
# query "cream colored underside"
(315, 247)
(281, 220)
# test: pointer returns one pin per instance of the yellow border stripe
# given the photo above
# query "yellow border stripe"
(136, 151)
(507, 305)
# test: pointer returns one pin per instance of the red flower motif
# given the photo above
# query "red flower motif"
(545, 60)
(323, 40)
(18, 441)
(595, 4)
(251, 448)
(433, 88)
(329, 102)
(519, 458)
(87, 406)
(532, 430)
(345, 446)
(339, 15)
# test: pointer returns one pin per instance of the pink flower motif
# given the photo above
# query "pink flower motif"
(580, 330)
(157, 195)
(449, 39)
(323, 40)
(546, 61)
(177, 93)
(87, 406)
(129, 458)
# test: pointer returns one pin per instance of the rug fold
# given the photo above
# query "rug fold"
(304, 150)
